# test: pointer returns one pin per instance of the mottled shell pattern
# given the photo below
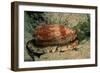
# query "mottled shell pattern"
(54, 34)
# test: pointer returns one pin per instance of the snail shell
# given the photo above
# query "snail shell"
(53, 35)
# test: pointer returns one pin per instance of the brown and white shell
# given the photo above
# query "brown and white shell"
(54, 34)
